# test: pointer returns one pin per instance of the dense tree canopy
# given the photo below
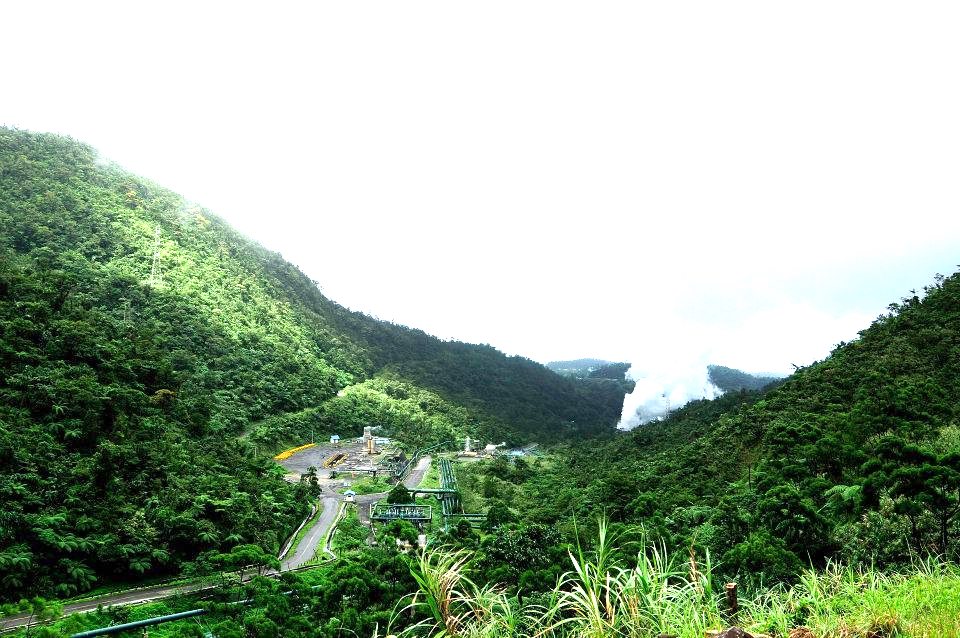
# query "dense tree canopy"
(145, 377)
(151, 357)
(852, 458)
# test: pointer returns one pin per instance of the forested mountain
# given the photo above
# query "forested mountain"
(616, 371)
(727, 379)
(856, 457)
(608, 377)
(576, 367)
(732, 380)
(147, 350)
(144, 376)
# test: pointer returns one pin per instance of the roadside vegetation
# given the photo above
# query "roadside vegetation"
(431, 479)
(314, 519)
(662, 594)
(603, 592)
(366, 485)
(350, 535)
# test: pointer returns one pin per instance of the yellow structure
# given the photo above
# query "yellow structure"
(286, 454)
(335, 459)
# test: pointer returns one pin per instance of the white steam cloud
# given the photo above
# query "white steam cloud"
(672, 355)
(669, 373)
(662, 388)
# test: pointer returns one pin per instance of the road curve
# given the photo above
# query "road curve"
(312, 541)
(306, 549)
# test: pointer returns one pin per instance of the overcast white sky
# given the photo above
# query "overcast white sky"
(750, 182)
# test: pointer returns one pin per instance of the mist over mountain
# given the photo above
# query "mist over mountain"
(576, 367)
(673, 382)
(153, 359)
(653, 391)
(855, 458)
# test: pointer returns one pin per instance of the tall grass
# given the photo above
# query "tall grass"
(842, 601)
(676, 595)
(598, 599)
(450, 604)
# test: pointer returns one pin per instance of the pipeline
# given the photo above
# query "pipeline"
(116, 629)
(157, 620)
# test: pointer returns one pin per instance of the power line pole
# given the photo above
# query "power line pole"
(156, 274)
(127, 312)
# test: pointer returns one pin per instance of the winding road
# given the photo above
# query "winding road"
(304, 552)
(310, 544)
(306, 549)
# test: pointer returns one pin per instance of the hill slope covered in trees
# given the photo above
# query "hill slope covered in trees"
(733, 380)
(856, 458)
(132, 396)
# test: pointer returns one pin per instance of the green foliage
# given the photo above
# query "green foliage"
(733, 380)
(135, 412)
(529, 556)
(352, 596)
(351, 534)
(243, 557)
(660, 593)
(498, 514)
(367, 485)
(400, 530)
(852, 458)
(404, 410)
(763, 555)
(399, 494)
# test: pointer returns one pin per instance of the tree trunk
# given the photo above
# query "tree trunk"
(733, 605)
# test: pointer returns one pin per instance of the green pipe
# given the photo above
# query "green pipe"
(156, 620)
(116, 629)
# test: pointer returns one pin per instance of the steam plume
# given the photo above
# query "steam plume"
(662, 387)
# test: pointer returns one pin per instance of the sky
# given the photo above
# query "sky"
(745, 183)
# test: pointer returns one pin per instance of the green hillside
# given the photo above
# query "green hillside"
(576, 367)
(146, 351)
(733, 380)
(145, 377)
(855, 458)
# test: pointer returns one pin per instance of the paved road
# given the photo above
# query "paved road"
(307, 547)
(306, 550)
(416, 476)
(313, 539)
(128, 598)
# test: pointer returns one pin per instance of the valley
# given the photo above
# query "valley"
(176, 401)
